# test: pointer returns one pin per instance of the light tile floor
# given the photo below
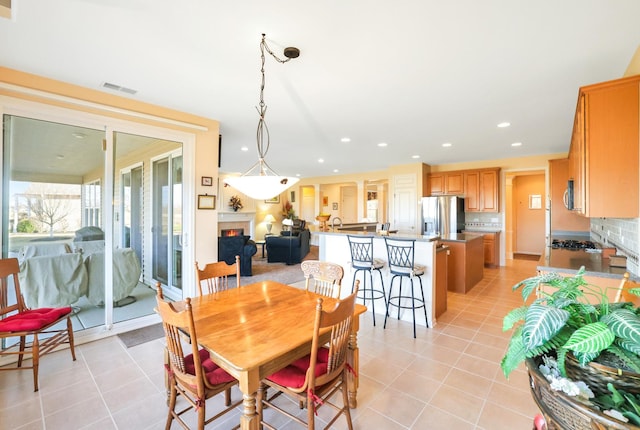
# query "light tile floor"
(447, 378)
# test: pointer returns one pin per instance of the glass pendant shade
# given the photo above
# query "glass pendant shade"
(261, 187)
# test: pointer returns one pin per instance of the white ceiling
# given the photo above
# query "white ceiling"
(412, 73)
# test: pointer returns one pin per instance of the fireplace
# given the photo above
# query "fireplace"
(237, 220)
(228, 232)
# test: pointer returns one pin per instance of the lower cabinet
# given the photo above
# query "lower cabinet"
(492, 250)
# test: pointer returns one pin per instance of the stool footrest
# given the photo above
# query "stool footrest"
(409, 298)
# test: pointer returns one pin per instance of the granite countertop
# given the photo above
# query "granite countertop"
(460, 237)
(570, 261)
(417, 237)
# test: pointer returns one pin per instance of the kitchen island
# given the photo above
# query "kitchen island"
(334, 247)
(466, 260)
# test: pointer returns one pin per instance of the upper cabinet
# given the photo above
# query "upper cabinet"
(446, 183)
(603, 158)
(480, 188)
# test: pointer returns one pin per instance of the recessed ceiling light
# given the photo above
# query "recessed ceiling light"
(446, 145)
(504, 124)
(345, 139)
(320, 160)
(244, 148)
(297, 174)
(415, 156)
(78, 135)
(382, 144)
(335, 170)
(516, 144)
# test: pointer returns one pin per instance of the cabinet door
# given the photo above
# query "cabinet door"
(472, 191)
(611, 163)
(489, 201)
(490, 250)
(436, 184)
(454, 183)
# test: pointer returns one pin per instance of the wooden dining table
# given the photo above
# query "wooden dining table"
(257, 329)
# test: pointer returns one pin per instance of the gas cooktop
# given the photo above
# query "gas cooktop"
(572, 244)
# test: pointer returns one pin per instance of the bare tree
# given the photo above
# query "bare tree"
(49, 205)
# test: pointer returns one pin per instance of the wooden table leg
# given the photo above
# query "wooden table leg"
(249, 420)
(353, 357)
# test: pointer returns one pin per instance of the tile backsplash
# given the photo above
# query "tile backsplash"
(619, 233)
(480, 221)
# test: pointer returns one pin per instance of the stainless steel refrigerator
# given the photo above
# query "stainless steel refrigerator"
(442, 215)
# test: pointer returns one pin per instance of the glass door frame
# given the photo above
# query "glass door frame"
(47, 112)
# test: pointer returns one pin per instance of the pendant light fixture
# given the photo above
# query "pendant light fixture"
(260, 181)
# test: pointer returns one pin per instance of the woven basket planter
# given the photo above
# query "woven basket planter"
(597, 376)
(563, 412)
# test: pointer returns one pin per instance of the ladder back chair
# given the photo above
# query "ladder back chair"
(401, 253)
(191, 372)
(362, 261)
(25, 326)
(322, 277)
(215, 276)
(624, 293)
(315, 378)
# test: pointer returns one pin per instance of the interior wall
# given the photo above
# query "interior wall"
(529, 210)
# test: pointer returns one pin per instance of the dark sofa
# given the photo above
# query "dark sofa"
(288, 248)
(230, 246)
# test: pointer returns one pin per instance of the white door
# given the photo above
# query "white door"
(405, 207)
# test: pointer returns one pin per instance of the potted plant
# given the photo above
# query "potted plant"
(562, 322)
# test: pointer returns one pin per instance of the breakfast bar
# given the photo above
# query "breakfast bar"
(334, 247)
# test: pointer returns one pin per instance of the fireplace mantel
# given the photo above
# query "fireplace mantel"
(244, 220)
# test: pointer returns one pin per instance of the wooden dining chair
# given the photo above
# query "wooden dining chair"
(315, 378)
(624, 294)
(215, 276)
(17, 322)
(194, 376)
(322, 277)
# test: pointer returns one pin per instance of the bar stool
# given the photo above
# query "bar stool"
(401, 264)
(362, 261)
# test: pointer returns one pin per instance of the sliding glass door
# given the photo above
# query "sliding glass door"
(167, 222)
(105, 203)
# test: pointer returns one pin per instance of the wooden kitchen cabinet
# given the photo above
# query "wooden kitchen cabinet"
(446, 183)
(482, 190)
(603, 157)
(491, 242)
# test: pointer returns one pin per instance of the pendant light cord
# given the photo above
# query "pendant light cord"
(262, 133)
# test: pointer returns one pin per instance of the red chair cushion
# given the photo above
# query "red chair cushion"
(293, 375)
(214, 374)
(33, 319)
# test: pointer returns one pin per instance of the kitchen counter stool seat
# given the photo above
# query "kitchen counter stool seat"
(362, 260)
(402, 265)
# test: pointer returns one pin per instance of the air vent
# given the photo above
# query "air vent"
(119, 88)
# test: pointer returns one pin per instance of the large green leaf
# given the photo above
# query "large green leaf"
(594, 337)
(516, 315)
(541, 324)
(624, 323)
